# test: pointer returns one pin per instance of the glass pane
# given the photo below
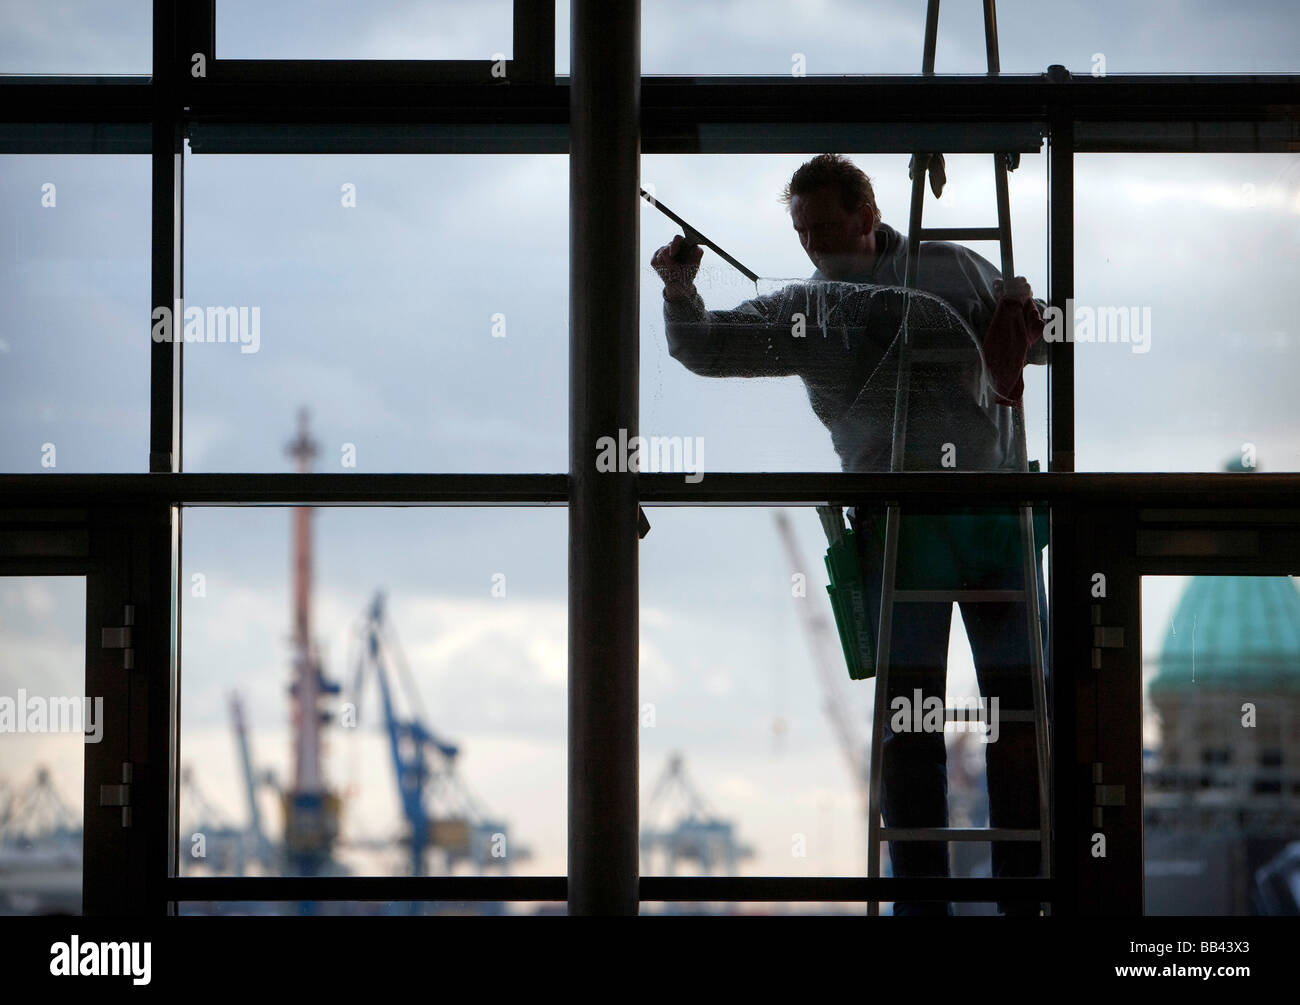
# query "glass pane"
(382, 29)
(798, 417)
(1185, 334)
(755, 741)
(45, 722)
(418, 306)
(471, 644)
(74, 346)
(1221, 780)
(76, 37)
(842, 36)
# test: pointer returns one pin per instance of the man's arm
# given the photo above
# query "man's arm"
(751, 340)
(754, 339)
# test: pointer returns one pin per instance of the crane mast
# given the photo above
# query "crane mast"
(827, 658)
(311, 810)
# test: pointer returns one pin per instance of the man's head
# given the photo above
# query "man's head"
(833, 209)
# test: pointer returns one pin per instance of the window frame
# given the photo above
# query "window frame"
(453, 107)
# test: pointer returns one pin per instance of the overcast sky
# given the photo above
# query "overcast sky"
(379, 318)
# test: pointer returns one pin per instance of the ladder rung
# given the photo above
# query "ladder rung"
(978, 715)
(961, 234)
(959, 596)
(957, 834)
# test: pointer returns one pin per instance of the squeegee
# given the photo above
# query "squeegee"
(694, 237)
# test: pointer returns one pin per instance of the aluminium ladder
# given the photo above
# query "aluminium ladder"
(890, 596)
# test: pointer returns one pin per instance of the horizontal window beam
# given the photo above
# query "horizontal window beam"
(371, 138)
(1205, 136)
(707, 138)
(1166, 491)
(652, 889)
(843, 888)
(669, 104)
(971, 98)
(919, 488)
(371, 888)
(284, 490)
(210, 137)
(328, 72)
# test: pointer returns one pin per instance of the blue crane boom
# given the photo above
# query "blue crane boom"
(410, 742)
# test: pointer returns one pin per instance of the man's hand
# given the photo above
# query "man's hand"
(678, 273)
(1017, 289)
(1014, 328)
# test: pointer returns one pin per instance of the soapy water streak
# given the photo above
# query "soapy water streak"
(845, 340)
(857, 310)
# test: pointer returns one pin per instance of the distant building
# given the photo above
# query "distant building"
(1222, 789)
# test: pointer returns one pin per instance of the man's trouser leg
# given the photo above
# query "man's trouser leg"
(915, 766)
(1000, 645)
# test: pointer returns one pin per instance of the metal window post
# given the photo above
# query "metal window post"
(1065, 575)
(604, 321)
(154, 692)
(1060, 271)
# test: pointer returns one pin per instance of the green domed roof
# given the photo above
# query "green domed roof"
(1234, 632)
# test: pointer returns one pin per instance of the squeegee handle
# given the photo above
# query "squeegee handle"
(694, 237)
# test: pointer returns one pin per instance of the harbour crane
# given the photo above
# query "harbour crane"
(311, 808)
(262, 849)
(698, 835)
(440, 812)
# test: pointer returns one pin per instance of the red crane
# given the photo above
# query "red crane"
(311, 811)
